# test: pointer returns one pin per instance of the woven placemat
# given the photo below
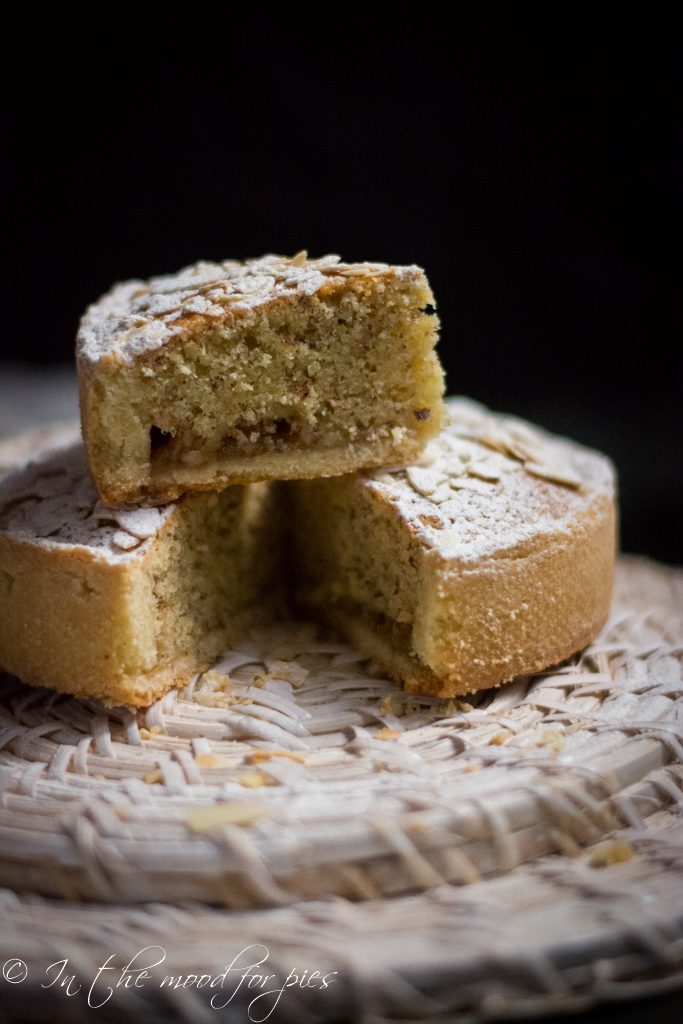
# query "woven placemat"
(296, 786)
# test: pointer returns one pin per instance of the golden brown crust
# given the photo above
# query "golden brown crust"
(549, 601)
(454, 589)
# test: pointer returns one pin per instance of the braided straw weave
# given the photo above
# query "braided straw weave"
(296, 798)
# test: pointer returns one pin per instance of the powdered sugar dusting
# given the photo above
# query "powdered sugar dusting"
(139, 523)
(140, 316)
(489, 482)
(52, 501)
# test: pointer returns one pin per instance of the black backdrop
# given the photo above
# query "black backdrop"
(533, 175)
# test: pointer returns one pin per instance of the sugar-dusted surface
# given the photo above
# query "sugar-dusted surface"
(139, 316)
(488, 483)
(51, 501)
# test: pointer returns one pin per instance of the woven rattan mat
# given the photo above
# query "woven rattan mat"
(516, 853)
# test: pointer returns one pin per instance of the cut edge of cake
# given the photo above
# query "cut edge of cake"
(492, 559)
(123, 604)
(270, 369)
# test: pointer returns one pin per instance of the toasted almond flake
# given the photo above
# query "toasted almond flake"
(288, 672)
(299, 258)
(260, 756)
(552, 473)
(424, 480)
(441, 494)
(495, 439)
(611, 851)
(212, 761)
(386, 733)
(254, 780)
(522, 452)
(473, 767)
(154, 776)
(213, 700)
(553, 738)
(140, 522)
(215, 680)
(147, 734)
(521, 431)
(484, 470)
(203, 819)
(124, 541)
(499, 738)
(386, 706)
(465, 483)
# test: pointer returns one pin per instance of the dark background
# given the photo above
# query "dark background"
(531, 170)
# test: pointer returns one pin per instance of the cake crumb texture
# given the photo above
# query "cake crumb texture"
(121, 604)
(274, 368)
(491, 558)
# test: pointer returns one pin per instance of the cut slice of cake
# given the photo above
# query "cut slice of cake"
(123, 604)
(490, 559)
(271, 369)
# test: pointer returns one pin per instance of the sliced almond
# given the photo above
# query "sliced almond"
(243, 813)
(386, 733)
(259, 756)
(254, 780)
(611, 851)
(485, 470)
(212, 761)
(425, 480)
(125, 541)
(465, 483)
(554, 474)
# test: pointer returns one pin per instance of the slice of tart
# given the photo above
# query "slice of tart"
(274, 368)
(491, 558)
(124, 604)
